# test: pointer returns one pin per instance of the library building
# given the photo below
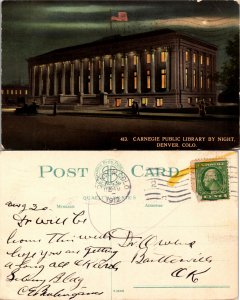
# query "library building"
(161, 69)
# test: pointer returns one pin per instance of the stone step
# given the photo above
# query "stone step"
(91, 101)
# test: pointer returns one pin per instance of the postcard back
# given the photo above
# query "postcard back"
(117, 225)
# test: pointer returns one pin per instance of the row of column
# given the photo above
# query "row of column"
(203, 72)
(38, 70)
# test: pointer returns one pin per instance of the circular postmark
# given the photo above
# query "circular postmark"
(112, 184)
(107, 166)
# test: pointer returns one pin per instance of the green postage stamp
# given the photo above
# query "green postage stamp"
(212, 180)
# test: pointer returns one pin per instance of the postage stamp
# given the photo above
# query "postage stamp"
(211, 179)
(112, 184)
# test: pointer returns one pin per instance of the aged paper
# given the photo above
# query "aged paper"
(125, 75)
(118, 225)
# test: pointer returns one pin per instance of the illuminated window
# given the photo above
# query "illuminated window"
(163, 56)
(11, 92)
(20, 92)
(148, 58)
(89, 65)
(118, 102)
(194, 79)
(208, 60)
(208, 81)
(122, 81)
(194, 58)
(210, 100)
(201, 59)
(130, 102)
(16, 92)
(110, 62)
(7, 92)
(163, 78)
(122, 61)
(26, 92)
(135, 59)
(110, 82)
(186, 77)
(144, 101)
(196, 100)
(148, 79)
(186, 55)
(135, 80)
(189, 100)
(201, 79)
(159, 102)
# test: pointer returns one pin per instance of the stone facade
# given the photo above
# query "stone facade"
(162, 69)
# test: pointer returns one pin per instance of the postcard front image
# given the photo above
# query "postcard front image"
(127, 76)
(140, 80)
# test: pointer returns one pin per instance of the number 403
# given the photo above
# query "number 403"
(123, 139)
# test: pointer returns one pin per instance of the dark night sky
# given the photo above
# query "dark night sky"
(30, 28)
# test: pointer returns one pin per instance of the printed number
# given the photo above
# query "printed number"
(154, 183)
(123, 139)
(118, 291)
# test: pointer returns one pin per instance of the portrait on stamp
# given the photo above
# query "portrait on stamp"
(212, 180)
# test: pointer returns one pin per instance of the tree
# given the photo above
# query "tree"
(229, 75)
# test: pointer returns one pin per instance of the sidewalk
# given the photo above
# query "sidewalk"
(102, 111)
(113, 112)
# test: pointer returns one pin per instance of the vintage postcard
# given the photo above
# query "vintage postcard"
(126, 75)
(119, 226)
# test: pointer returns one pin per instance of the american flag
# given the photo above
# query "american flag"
(121, 17)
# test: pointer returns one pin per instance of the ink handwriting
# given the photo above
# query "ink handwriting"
(56, 262)
(24, 207)
(23, 220)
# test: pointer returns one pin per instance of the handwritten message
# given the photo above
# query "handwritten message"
(53, 253)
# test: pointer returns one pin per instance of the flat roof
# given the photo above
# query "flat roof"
(116, 39)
